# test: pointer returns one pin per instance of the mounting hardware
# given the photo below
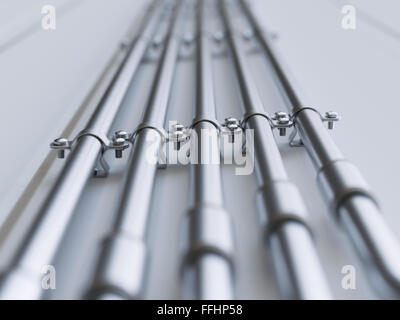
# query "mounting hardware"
(219, 36)
(188, 38)
(281, 120)
(157, 41)
(331, 117)
(122, 134)
(178, 134)
(292, 141)
(118, 143)
(232, 128)
(248, 34)
(60, 144)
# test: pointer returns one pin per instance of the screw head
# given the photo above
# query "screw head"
(232, 126)
(231, 120)
(218, 36)
(232, 123)
(178, 134)
(281, 114)
(248, 34)
(61, 142)
(121, 134)
(332, 115)
(188, 38)
(283, 120)
(157, 41)
(178, 128)
(118, 141)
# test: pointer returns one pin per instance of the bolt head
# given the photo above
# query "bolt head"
(157, 41)
(218, 36)
(332, 115)
(178, 128)
(122, 134)
(61, 141)
(232, 126)
(188, 38)
(118, 141)
(231, 121)
(178, 133)
(283, 120)
(281, 114)
(248, 34)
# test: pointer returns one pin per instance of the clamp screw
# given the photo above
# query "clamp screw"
(281, 114)
(188, 38)
(248, 34)
(118, 142)
(218, 36)
(121, 134)
(331, 116)
(283, 119)
(177, 133)
(232, 124)
(61, 142)
(157, 41)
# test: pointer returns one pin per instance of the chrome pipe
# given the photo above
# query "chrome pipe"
(297, 266)
(208, 255)
(23, 278)
(123, 261)
(345, 189)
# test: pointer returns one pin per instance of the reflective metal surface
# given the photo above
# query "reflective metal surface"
(299, 276)
(40, 244)
(341, 182)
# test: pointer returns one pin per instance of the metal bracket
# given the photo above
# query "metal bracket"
(188, 45)
(119, 142)
(330, 117)
(292, 141)
(280, 120)
(180, 134)
(231, 127)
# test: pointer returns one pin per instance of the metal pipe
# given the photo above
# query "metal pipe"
(39, 246)
(345, 189)
(208, 256)
(123, 262)
(296, 263)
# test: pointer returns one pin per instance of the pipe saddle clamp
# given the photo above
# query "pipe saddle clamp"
(119, 142)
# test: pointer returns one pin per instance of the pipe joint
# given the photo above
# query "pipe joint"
(341, 179)
(122, 267)
(207, 230)
(283, 203)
